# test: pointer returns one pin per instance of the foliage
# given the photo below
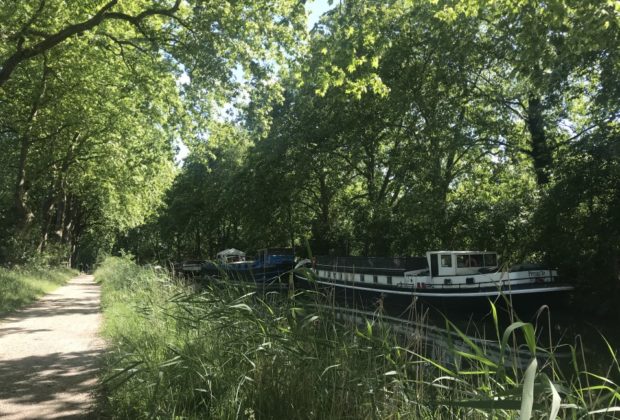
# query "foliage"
(580, 218)
(407, 126)
(390, 128)
(95, 95)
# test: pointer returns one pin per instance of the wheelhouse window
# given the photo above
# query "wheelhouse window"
(462, 261)
(446, 260)
(476, 260)
(490, 260)
(470, 260)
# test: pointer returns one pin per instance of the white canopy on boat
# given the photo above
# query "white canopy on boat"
(231, 254)
(230, 251)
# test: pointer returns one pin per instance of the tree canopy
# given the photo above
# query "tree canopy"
(389, 128)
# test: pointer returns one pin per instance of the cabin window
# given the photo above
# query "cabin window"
(389, 279)
(476, 260)
(490, 260)
(375, 279)
(446, 260)
(462, 261)
(361, 277)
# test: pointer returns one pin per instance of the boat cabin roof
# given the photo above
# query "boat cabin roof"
(461, 252)
(458, 263)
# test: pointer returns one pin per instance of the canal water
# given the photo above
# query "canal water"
(559, 328)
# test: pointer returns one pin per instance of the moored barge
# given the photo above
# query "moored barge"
(440, 275)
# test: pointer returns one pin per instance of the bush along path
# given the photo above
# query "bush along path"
(49, 354)
(22, 286)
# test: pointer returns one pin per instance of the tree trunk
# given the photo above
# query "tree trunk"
(198, 249)
(23, 215)
(48, 208)
(541, 152)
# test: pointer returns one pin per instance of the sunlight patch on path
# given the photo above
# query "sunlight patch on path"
(49, 354)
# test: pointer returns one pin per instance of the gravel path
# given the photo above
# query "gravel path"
(49, 354)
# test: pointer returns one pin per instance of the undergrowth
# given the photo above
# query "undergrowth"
(180, 352)
(20, 286)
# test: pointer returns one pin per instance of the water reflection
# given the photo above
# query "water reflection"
(559, 329)
(442, 345)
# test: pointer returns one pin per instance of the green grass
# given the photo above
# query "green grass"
(21, 286)
(177, 352)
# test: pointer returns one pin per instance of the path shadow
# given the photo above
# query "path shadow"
(55, 377)
(59, 307)
(87, 303)
(15, 330)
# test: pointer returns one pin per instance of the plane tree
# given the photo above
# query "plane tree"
(94, 95)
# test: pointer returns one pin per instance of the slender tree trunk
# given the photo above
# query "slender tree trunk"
(198, 242)
(75, 223)
(177, 243)
(321, 226)
(61, 207)
(23, 215)
(541, 152)
(65, 218)
(48, 208)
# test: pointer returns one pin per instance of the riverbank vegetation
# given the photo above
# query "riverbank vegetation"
(181, 351)
(173, 129)
(20, 286)
(387, 128)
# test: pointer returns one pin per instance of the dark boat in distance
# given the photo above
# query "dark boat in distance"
(448, 276)
(268, 266)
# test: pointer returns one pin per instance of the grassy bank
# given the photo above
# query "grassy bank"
(21, 286)
(176, 352)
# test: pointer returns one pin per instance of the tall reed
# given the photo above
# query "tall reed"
(229, 352)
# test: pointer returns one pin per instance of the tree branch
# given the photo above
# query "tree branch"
(25, 27)
(21, 55)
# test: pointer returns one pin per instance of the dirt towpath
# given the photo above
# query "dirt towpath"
(49, 354)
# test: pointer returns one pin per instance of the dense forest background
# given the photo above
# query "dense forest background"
(388, 128)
